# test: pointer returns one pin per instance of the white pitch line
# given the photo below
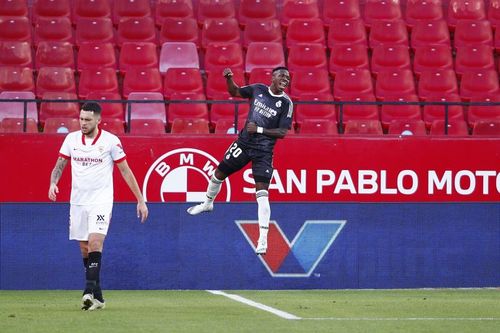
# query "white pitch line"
(403, 319)
(259, 306)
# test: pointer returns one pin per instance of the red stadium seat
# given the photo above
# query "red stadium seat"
(437, 112)
(216, 83)
(96, 56)
(96, 30)
(220, 56)
(318, 127)
(423, 11)
(472, 33)
(484, 112)
(346, 32)
(57, 79)
(353, 111)
(486, 128)
(310, 81)
(51, 9)
(189, 126)
(179, 9)
(305, 31)
(260, 75)
(251, 10)
(126, 9)
(179, 30)
(153, 110)
(15, 109)
(227, 126)
(54, 54)
(494, 13)
(56, 29)
(363, 127)
(15, 54)
(15, 29)
(187, 110)
(97, 80)
(454, 127)
(407, 127)
(142, 80)
(114, 126)
(471, 58)
(137, 29)
(90, 9)
(479, 83)
(430, 33)
(394, 83)
(182, 80)
(225, 30)
(147, 127)
(459, 10)
(16, 125)
(348, 57)
(340, 10)
(431, 58)
(16, 79)
(61, 125)
(14, 8)
(307, 57)
(138, 55)
(385, 57)
(262, 31)
(388, 33)
(110, 110)
(226, 110)
(315, 111)
(298, 9)
(443, 82)
(376, 11)
(352, 82)
(274, 56)
(391, 112)
(215, 9)
(178, 55)
(61, 109)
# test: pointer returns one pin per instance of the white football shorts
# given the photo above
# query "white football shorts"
(89, 219)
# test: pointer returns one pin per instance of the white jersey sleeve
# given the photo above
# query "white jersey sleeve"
(117, 152)
(65, 150)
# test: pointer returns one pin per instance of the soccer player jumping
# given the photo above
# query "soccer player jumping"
(270, 118)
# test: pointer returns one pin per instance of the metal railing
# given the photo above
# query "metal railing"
(236, 103)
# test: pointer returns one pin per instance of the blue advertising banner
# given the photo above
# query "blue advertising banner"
(312, 246)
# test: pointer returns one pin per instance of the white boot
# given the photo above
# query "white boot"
(203, 207)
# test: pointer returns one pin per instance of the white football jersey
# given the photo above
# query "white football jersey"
(92, 162)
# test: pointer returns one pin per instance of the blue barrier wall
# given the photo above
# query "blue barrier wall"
(378, 246)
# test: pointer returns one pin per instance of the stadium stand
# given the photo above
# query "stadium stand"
(16, 125)
(180, 48)
(62, 109)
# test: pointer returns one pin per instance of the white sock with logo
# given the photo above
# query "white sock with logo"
(264, 212)
(213, 189)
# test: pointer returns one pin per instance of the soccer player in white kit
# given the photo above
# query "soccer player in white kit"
(93, 154)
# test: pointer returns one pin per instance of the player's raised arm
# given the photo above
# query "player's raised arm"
(55, 176)
(128, 175)
(232, 87)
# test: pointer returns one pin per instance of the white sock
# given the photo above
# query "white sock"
(264, 212)
(213, 189)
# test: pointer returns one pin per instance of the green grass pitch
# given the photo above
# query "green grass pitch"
(346, 311)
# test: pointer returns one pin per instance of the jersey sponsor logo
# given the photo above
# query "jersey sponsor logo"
(182, 175)
(301, 256)
(263, 109)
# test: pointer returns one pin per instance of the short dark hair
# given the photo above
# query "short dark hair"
(93, 107)
(279, 68)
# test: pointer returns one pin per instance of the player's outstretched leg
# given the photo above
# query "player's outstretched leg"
(264, 213)
(208, 205)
